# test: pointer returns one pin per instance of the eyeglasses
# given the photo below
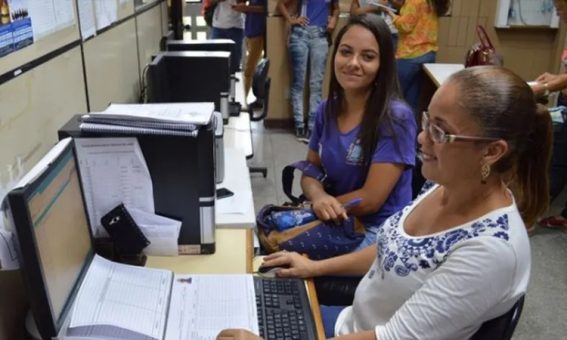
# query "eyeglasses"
(439, 136)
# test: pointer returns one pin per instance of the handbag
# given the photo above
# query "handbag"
(482, 52)
(295, 227)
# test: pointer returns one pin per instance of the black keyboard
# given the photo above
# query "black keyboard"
(284, 312)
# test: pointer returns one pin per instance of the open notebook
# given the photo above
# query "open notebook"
(75, 294)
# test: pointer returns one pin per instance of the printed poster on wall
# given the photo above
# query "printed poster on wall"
(15, 26)
(21, 23)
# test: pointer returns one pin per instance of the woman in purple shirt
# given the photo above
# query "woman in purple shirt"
(364, 136)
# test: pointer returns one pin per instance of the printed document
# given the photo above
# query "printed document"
(119, 298)
(113, 171)
(203, 305)
(162, 232)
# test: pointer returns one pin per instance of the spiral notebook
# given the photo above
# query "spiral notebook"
(124, 129)
(182, 119)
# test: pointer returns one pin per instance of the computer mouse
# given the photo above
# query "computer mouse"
(271, 269)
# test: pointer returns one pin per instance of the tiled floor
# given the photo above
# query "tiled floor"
(545, 311)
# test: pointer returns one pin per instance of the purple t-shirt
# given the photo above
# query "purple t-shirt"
(255, 23)
(341, 157)
(317, 11)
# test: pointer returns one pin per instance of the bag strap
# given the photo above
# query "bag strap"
(484, 40)
(308, 169)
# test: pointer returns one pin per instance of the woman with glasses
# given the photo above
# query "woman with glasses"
(458, 255)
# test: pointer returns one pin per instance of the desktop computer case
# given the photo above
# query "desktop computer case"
(182, 169)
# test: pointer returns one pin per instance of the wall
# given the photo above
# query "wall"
(527, 51)
(37, 102)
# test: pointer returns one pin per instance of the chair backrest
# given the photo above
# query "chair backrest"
(261, 87)
(502, 327)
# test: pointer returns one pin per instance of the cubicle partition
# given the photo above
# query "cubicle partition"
(71, 66)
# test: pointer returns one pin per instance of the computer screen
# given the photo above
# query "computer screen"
(53, 232)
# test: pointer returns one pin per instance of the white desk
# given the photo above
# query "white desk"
(438, 73)
(237, 134)
(237, 180)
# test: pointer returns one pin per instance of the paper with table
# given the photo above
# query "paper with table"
(113, 171)
(118, 299)
(203, 305)
(138, 302)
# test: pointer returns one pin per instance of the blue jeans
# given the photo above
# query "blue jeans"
(369, 238)
(329, 314)
(307, 44)
(410, 74)
(234, 34)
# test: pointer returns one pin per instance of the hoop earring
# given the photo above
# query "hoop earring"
(484, 173)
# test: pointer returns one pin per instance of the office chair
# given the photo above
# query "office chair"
(261, 90)
(502, 327)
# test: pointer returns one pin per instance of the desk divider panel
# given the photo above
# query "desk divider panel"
(148, 35)
(112, 67)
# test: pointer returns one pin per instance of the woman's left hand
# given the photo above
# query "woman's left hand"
(237, 334)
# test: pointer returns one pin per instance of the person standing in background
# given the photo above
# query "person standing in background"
(359, 7)
(308, 41)
(544, 84)
(418, 27)
(254, 31)
(229, 24)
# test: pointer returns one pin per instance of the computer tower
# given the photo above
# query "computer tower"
(220, 45)
(190, 77)
(182, 169)
(213, 45)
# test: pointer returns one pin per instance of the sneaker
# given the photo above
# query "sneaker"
(299, 132)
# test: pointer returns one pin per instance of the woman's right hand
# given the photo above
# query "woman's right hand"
(328, 208)
(292, 264)
(301, 21)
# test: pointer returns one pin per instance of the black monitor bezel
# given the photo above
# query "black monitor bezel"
(32, 270)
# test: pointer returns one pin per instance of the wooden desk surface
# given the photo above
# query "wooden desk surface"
(440, 72)
(233, 255)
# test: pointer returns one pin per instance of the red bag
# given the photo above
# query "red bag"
(483, 52)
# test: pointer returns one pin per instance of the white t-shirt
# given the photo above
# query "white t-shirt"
(386, 17)
(226, 17)
(444, 285)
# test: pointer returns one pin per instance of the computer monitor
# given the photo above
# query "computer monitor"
(49, 218)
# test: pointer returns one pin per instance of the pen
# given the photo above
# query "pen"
(352, 203)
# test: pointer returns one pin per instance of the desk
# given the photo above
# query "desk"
(438, 73)
(237, 134)
(233, 255)
(237, 180)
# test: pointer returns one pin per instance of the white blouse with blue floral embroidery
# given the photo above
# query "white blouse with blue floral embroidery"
(443, 285)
